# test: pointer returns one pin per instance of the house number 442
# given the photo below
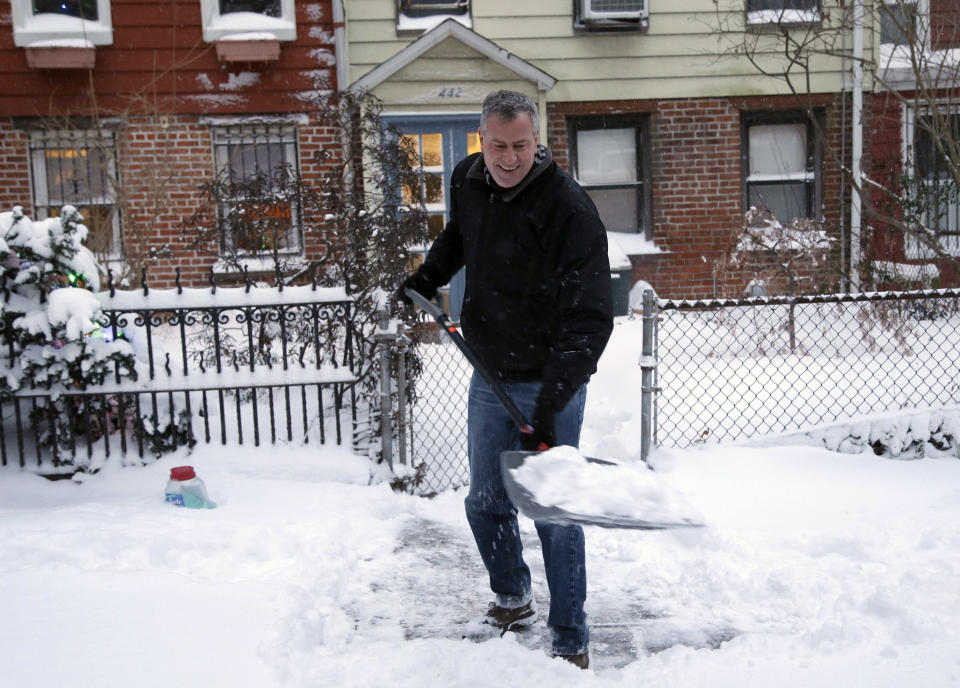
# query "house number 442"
(451, 92)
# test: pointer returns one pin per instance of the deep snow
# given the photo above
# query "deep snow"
(815, 569)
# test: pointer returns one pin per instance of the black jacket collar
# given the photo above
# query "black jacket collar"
(541, 163)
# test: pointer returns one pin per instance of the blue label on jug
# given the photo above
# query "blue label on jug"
(175, 499)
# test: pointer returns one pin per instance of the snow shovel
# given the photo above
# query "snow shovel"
(529, 497)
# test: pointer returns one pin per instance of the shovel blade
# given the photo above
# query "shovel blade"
(526, 502)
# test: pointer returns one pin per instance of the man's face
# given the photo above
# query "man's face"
(509, 147)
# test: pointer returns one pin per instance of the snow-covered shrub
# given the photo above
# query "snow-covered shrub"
(909, 435)
(166, 435)
(51, 337)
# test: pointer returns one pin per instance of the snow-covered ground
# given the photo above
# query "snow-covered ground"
(815, 569)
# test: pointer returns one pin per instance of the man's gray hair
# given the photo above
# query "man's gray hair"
(507, 105)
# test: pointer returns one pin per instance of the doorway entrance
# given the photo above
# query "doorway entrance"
(442, 141)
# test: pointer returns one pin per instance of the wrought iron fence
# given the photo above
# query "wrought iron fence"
(221, 364)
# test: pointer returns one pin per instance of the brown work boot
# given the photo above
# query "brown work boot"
(581, 661)
(510, 619)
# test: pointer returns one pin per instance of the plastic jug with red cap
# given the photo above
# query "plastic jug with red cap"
(185, 489)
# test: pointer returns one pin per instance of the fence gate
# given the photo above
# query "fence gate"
(429, 409)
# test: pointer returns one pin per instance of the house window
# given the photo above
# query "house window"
(270, 8)
(228, 18)
(258, 166)
(78, 168)
(936, 148)
(417, 16)
(898, 23)
(56, 20)
(783, 12)
(782, 153)
(610, 160)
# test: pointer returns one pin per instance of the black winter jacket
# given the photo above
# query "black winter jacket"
(538, 302)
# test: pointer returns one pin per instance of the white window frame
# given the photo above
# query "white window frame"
(217, 26)
(44, 140)
(51, 30)
(913, 248)
(286, 135)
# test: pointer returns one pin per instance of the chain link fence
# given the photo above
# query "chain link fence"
(735, 369)
(730, 370)
(436, 416)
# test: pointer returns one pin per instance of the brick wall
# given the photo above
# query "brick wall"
(162, 162)
(14, 170)
(697, 186)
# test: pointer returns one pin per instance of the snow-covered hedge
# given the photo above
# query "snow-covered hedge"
(51, 338)
(899, 436)
(50, 331)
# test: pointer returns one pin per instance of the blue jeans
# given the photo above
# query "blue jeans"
(493, 518)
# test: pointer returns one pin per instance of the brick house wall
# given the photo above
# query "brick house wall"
(697, 186)
(944, 24)
(155, 83)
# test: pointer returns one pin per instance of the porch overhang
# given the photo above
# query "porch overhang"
(451, 29)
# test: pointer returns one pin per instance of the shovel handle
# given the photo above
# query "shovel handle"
(495, 386)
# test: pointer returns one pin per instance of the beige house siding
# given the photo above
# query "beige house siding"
(685, 53)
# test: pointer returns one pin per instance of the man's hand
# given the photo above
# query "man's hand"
(419, 283)
(544, 432)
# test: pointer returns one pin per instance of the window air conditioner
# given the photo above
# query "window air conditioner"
(619, 10)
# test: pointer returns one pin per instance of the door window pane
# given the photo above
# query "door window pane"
(433, 188)
(435, 224)
(606, 156)
(473, 143)
(432, 150)
(428, 152)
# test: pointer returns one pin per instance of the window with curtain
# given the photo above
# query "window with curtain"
(781, 165)
(610, 161)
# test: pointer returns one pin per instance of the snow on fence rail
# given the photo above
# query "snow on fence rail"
(231, 364)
